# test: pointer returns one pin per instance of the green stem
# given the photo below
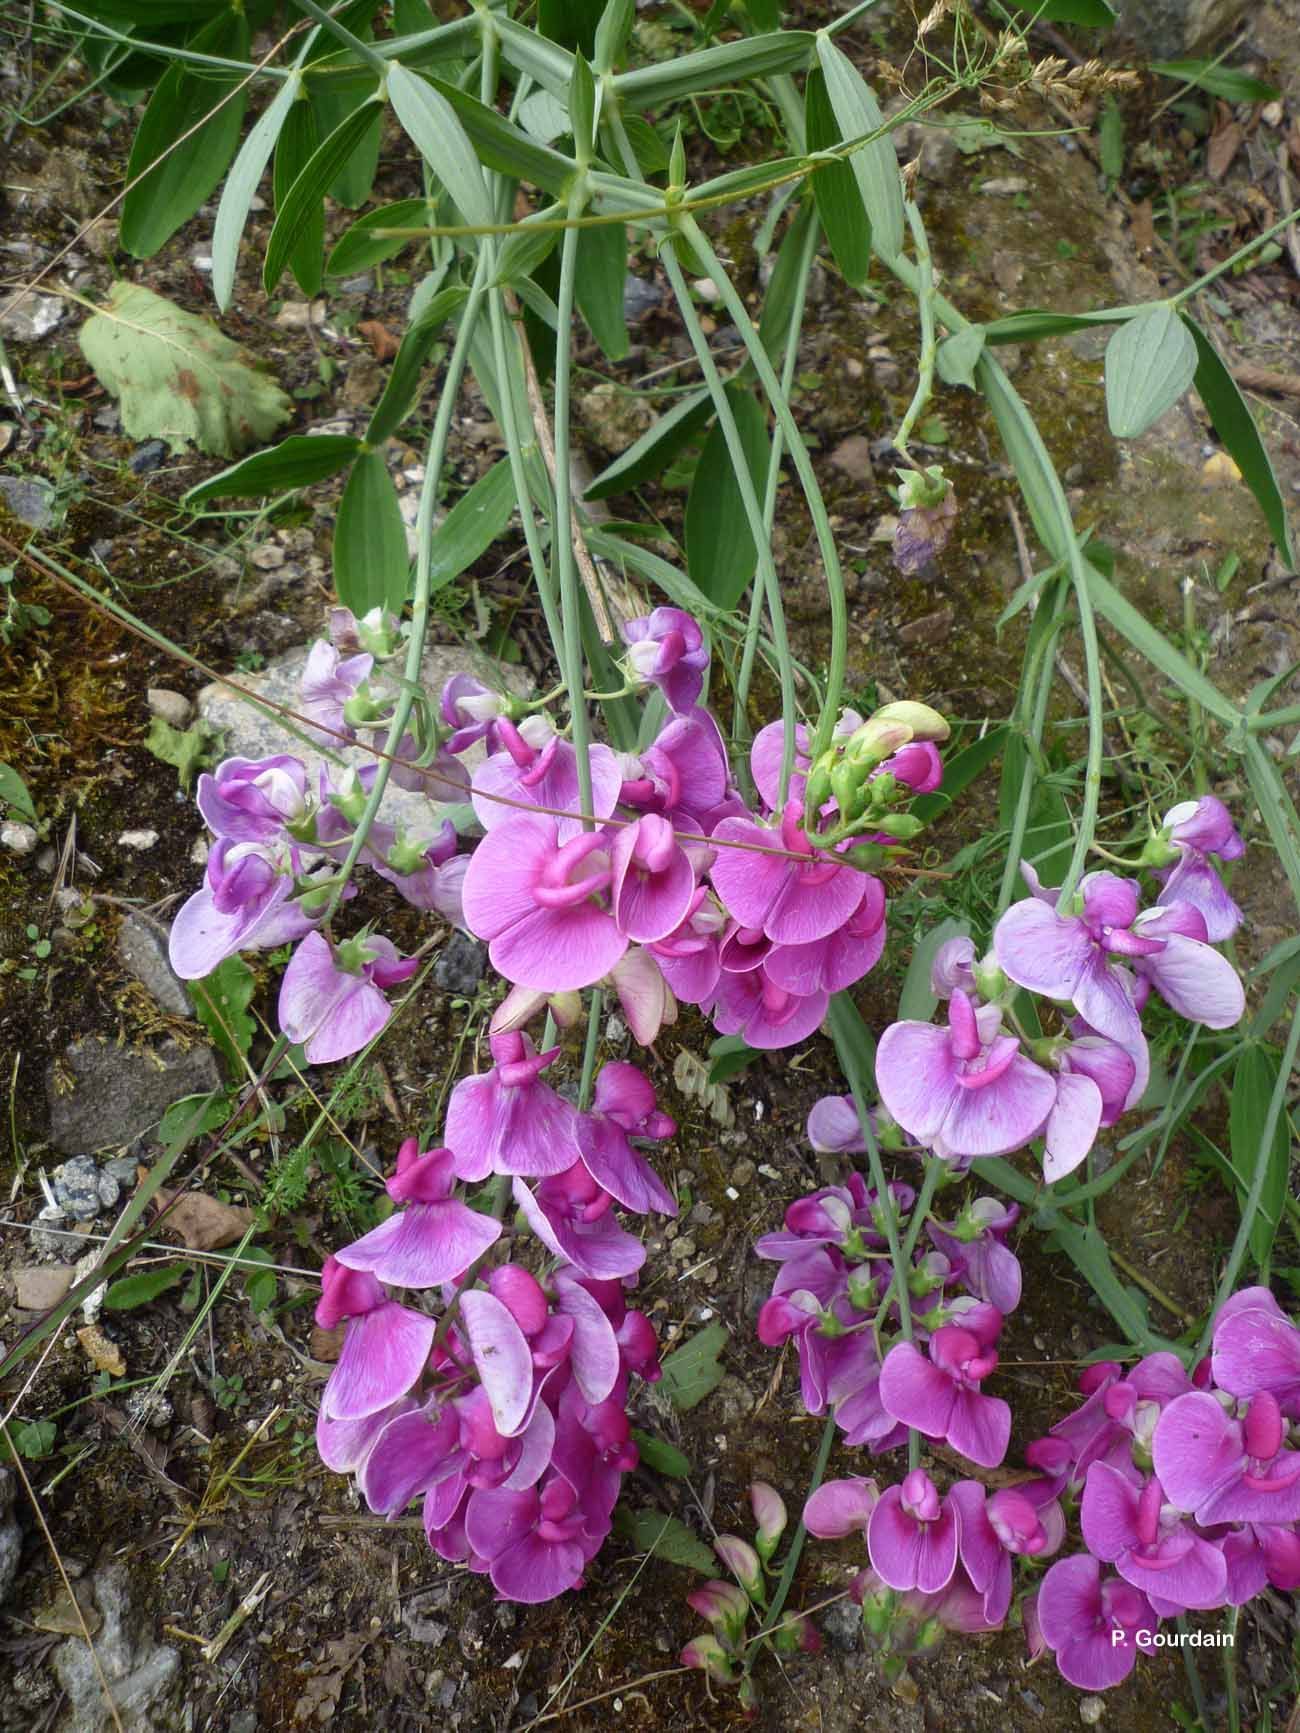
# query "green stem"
(785, 1582)
(768, 579)
(1233, 259)
(363, 51)
(570, 645)
(1255, 1196)
(929, 340)
(591, 1048)
(935, 1172)
(1042, 693)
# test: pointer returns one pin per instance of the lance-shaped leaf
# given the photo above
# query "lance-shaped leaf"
(298, 461)
(473, 524)
(297, 144)
(720, 551)
(501, 1358)
(371, 566)
(602, 272)
(404, 376)
(751, 57)
(361, 247)
(334, 102)
(507, 149)
(876, 167)
(835, 189)
(431, 123)
(655, 449)
(1150, 363)
(170, 174)
(241, 184)
(301, 207)
(1253, 1083)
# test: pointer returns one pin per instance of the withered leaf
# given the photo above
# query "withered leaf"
(204, 1223)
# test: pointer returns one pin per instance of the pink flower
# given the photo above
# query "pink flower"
(1256, 1347)
(245, 903)
(540, 902)
(507, 1120)
(1195, 830)
(572, 1216)
(327, 683)
(667, 648)
(537, 767)
(435, 1238)
(791, 900)
(385, 1346)
(1221, 1469)
(751, 1004)
(532, 1540)
(253, 799)
(1092, 1626)
(653, 883)
(623, 1107)
(941, 1396)
(841, 1507)
(1151, 1544)
(332, 1001)
(841, 958)
(912, 1536)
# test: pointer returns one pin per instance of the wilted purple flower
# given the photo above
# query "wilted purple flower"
(927, 514)
(667, 648)
(332, 998)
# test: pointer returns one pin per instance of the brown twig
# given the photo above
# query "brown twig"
(1267, 378)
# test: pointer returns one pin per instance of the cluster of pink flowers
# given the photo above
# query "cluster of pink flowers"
(1185, 1489)
(981, 1087)
(508, 1417)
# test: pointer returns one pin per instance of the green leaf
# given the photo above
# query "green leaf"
(334, 102)
(528, 247)
(782, 288)
(655, 450)
(241, 184)
(1150, 364)
(299, 461)
(359, 247)
(648, 148)
(875, 166)
(35, 1438)
(720, 552)
(166, 185)
(582, 107)
(259, 1285)
(1087, 1251)
(612, 33)
(14, 792)
(221, 1002)
(298, 212)
(665, 1537)
(960, 771)
(1253, 1083)
(1094, 14)
(177, 378)
(433, 126)
(658, 1454)
(571, 22)
(371, 564)
(602, 271)
(298, 143)
(959, 354)
(751, 57)
(1110, 138)
(146, 1285)
(473, 523)
(917, 999)
(729, 1054)
(403, 381)
(1034, 322)
(835, 188)
(1235, 426)
(190, 749)
(630, 556)
(693, 1371)
(191, 1116)
(1151, 643)
(1224, 81)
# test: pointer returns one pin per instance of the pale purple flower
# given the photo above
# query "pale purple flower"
(769, 1514)
(573, 1217)
(667, 648)
(539, 901)
(1095, 1082)
(506, 1120)
(976, 1250)
(752, 1005)
(253, 799)
(794, 895)
(912, 1536)
(834, 1127)
(435, 1238)
(1227, 1470)
(244, 904)
(624, 1106)
(1151, 1544)
(537, 767)
(841, 1507)
(385, 1346)
(429, 874)
(966, 1090)
(838, 960)
(941, 1396)
(1197, 829)
(332, 1000)
(1188, 973)
(328, 682)
(471, 710)
(1092, 1625)
(953, 968)
(683, 773)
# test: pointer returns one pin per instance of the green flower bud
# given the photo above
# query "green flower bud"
(989, 979)
(925, 723)
(901, 825)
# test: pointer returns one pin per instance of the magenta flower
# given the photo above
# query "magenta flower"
(538, 768)
(624, 1106)
(532, 1540)
(1256, 1348)
(688, 957)
(751, 1004)
(841, 958)
(507, 1120)
(1150, 1543)
(253, 799)
(912, 1536)
(667, 648)
(768, 750)
(977, 1253)
(964, 1091)
(1193, 831)
(1188, 973)
(539, 901)
(1094, 1627)
(1221, 1469)
(332, 999)
(244, 904)
(682, 773)
(653, 883)
(792, 900)
(385, 1346)
(502, 1357)
(941, 1396)
(841, 1507)
(328, 682)
(435, 1238)
(572, 1216)
(471, 710)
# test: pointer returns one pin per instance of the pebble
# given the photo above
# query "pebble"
(124, 1170)
(640, 296)
(18, 838)
(1091, 1710)
(852, 457)
(269, 557)
(37, 1287)
(361, 285)
(117, 1094)
(53, 1239)
(174, 707)
(706, 289)
(461, 965)
(28, 500)
(76, 1188)
(147, 457)
(298, 315)
(140, 840)
(742, 1173)
(33, 318)
(142, 946)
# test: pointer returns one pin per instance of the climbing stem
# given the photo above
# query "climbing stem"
(569, 648)
(929, 339)
(785, 1581)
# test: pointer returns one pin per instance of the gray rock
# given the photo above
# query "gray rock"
(138, 1670)
(109, 1191)
(361, 285)
(33, 318)
(118, 1093)
(18, 838)
(640, 297)
(461, 965)
(28, 499)
(55, 1239)
(11, 1536)
(122, 1169)
(76, 1186)
(250, 733)
(142, 946)
(147, 457)
(1164, 29)
(173, 707)
(841, 1625)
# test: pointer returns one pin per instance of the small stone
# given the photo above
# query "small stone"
(1091, 1710)
(138, 1669)
(461, 965)
(125, 1169)
(37, 1287)
(361, 285)
(29, 500)
(841, 1625)
(18, 838)
(33, 318)
(142, 946)
(150, 1409)
(1004, 186)
(139, 840)
(929, 629)
(66, 1617)
(299, 315)
(742, 1173)
(269, 557)
(640, 297)
(147, 457)
(683, 1248)
(11, 1536)
(109, 1191)
(706, 289)
(852, 457)
(117, 1093)
(54, 1239)
(199, 853)
(1220, 469)
(76, 1188)
(174, 707)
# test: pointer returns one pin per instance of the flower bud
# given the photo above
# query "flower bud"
(708, 1655)
(348, 796)
(922, 722)
(797, 1633)
(990, 982)
(902, 826)
(726, 1608)
(741, 1560)
(770, 1515)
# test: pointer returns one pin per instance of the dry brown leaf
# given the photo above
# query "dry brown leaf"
(1223, 146)
(204, 1223)
(320, 1697)
(325, 1345)
(380, 339)
(104, 1356)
